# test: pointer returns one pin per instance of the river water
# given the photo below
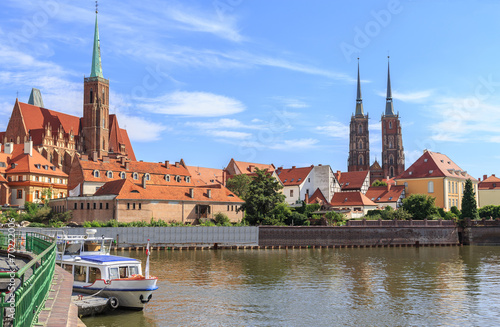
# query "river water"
(427, 286)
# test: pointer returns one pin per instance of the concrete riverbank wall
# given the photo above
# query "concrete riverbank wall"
(482, 232)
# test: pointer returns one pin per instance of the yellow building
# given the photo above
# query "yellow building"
(489, 191)
(436, 175)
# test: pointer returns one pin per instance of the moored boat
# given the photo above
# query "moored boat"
(96, 271)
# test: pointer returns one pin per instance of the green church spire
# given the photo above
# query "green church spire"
(96, 54)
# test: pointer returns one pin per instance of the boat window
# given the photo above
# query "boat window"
(133, 270)
(107, 246)
(113, 273)
(80, 273)
(73, 248)
(68, 268)
(123, 272)
(91, 246)
(94, 274)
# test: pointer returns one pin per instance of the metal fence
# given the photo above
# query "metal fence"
(31, 283)
(401, 223)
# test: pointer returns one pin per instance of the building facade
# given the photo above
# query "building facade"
(489, 191)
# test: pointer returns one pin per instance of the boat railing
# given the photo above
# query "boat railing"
(31, 283)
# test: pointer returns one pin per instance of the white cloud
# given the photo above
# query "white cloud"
(196, 104)
(417, 96)
(224, 123)
(231, 134)
(140, 129)
(334, 129)
(292, 102)
(291, 145)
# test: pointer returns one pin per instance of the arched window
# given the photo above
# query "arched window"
(390, 125)
(135, 176)
(360, 145)
(91, 96)
(430, 187)
(103, 123)
(360, 129)
(391, 172)
(390, 144)
(103, 97)
(167, 178)
(103, 142)
(50, 158)
(96, 173)
(122, 175)
(148, 177)
(360, 160)
(391, 160)
(109, 174)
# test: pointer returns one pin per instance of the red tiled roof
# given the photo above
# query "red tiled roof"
(382, 194)
(249, 167)
(352, 180)
(490, 183)
(24, 163)
(293, 176)
(317, 197)
(434, 164)
(343, 199)
(157, 171)
(206, 176)
(125, 189)
(119, 136)
(2, 179)
(128, 145)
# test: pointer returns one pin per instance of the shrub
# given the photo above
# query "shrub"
(222, 219)
(335, 218)
(401, 214)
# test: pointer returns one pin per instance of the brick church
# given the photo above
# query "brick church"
(393, 157)
(60, 137)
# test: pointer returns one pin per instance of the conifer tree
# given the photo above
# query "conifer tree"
(469, 206)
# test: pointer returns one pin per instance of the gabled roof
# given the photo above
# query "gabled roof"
(206, 176)
(249, 167)
(35, 164)
(119, 136)
(434, 164)
(317, 197)
(385, 194)
(125, 189)
(293, 176)
(157, 171)
(346, 199)
(490, 183)
(352, 180)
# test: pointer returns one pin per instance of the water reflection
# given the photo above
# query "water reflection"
(442, 286)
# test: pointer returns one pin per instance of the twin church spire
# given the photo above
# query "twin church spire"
(392, 142)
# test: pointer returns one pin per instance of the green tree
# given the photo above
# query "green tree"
(239, 185)
(455, 211)
(420, 206)
(489, 211)
(469, 206)
(401, 214)
(379, 183)
(261, 198)
(222, 219)
(335, 218)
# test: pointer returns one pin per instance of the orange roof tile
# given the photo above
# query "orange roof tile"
(293, 176)
(383, 194)
(35, 164)
(206, 176)
(317, 197)
(125, 189)
(490, 183)
(343, 199)
(434, 164)
(352, 180)
(249, 167)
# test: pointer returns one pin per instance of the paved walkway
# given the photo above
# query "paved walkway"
(59, 311)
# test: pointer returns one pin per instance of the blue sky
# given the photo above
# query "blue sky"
(266, 81)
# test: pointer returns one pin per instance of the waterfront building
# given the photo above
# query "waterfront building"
(354, 181)
(299, 182)
(352, 204)
(384, 196)
(436, 175)
(60, 137)
(489, 191)
(248, 168)
(25, 175)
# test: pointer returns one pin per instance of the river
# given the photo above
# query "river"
(426, 286)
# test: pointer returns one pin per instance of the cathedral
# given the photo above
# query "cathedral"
(393, 157)
(60, 137)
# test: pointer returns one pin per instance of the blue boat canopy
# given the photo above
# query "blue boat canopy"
(105, 258)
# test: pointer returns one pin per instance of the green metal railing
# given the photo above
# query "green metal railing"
(32, 291)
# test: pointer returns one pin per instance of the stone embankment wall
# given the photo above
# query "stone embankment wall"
(482, 232)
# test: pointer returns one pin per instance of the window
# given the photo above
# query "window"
(360, 160)
(430, 187)
(88, 206)
(96, 173)
(291, 193)
(122, 175)
(390, 125)
(76, 205)
(109, 174)
(431, 171)
(49, 180)
(19, 194)
(133, 206)
(360, 145)
(95, 205)
(94, 274)
(37, 194)
(81, 205)
(80, 273)
(228, 207)
(100, 205)
(147, 176)
(291, 180)
(128, 206)
(188, 179)
(103, 100)
(68, 268)
(91, 96)
(178, 178)
(135, 176)
(360, 129)
(391, 160)
(107, 206)
(140, 207)
(390, 198)
(113, 273)
(167, 178)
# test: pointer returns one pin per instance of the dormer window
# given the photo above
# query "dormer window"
(178, 178)
(285, 180)
(291, 180)
(96, 173)
(378, 199)
(37, 166)
(167, 178)
(410, 173)
(425, 160)
(135, 176)
(390, 198)
(188, 179)
(147, 176)
(46, 167)
(122, 175)
(109, 174)
(431, 171)
(13, 165)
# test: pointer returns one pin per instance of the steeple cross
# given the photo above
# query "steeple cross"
(96, 7)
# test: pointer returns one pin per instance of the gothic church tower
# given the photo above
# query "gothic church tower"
(95, 121)
(393, 157)
(359, 140)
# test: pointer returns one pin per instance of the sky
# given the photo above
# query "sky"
(266, 81)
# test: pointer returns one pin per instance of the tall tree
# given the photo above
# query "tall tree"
(261, 198)
(420, 206)
(239, 185)
(469, 205)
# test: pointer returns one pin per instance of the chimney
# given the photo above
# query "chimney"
(122, 161)
(9, 147)
(191, 192)
(320, 164)
(293, 167)
(144, 181)
(28, 148)
(306, 200)
(176, 164)
(493, 175)
(127, 165)
(485, 176)
(209, 193)
(94, 156)
(339, 173)
(167, 164)
(479, 179)
(251, 168)
(105, 159)
(388, 186)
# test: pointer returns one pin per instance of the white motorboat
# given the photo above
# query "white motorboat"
(95, 271)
